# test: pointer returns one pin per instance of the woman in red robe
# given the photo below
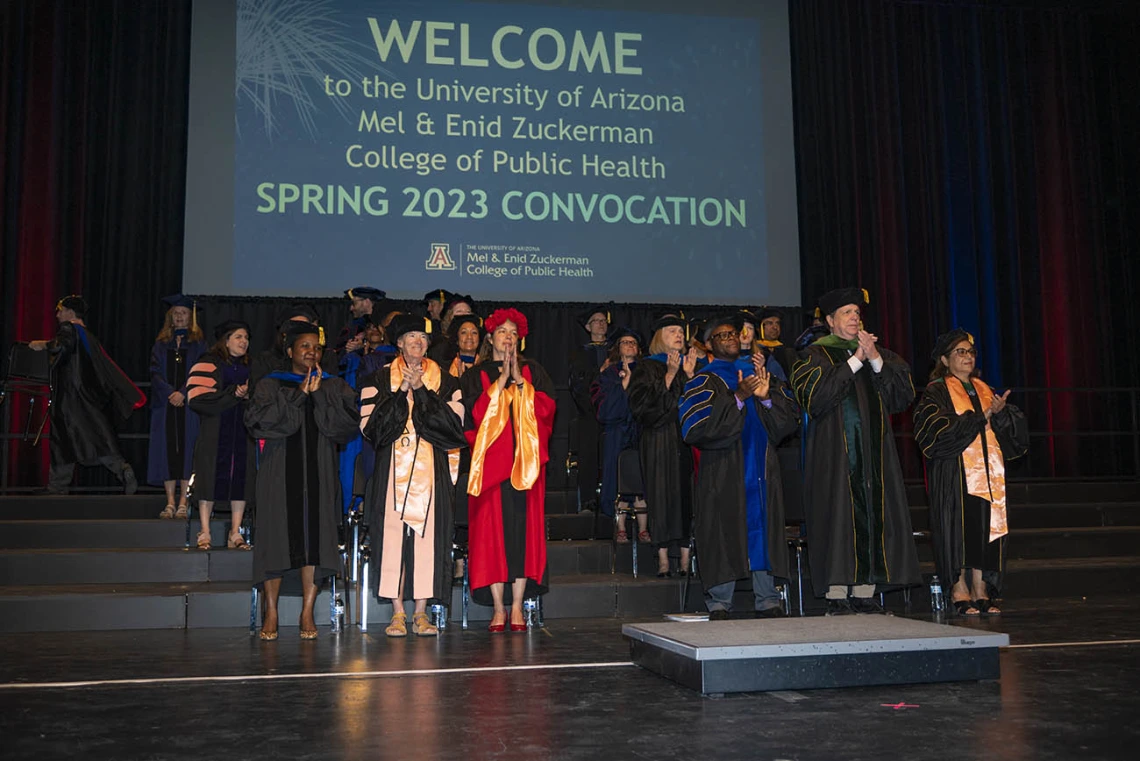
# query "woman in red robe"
(510, 404)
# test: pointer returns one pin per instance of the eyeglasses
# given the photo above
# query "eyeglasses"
(965, 352)
(724, 335)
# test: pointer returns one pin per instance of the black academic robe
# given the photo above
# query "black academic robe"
(384, 418)
(298, 491)
(224, 455)
(959, 522)
(585, 362)
(274, 360)
(666, 461)
(87, 389)
(730, 531)
(619, 430)
(858, 519)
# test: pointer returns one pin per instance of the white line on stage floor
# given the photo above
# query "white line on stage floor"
(315, 675)
(1076, 644)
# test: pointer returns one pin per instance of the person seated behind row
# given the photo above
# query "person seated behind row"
(303, 414)
(610, 400)
(87, 386)
(364, 300)
(173, 425)
(224, 457)
(440, 349)
(411, 413)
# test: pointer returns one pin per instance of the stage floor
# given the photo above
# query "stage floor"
(1067, 691)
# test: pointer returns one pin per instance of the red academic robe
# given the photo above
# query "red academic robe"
(488, 564)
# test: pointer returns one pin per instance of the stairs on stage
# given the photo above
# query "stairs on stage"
(106, 562)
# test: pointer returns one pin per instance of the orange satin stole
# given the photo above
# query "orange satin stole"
(984, 482)
(518, 400)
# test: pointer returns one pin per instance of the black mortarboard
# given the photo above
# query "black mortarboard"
(407, 323)
(75, 303)
(460, 321)
(297, 310)
(439, 295)
(671, 312)
(365, 292)
(666, 321)
(948, 341)
(229, 326)
(297, 328)
(621, 333)
(584, 317)
(455, 298)
(766, 312)
(735, 321)
(840, 297)
(178, 300)
(748, 316)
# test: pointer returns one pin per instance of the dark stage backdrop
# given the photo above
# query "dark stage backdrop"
(969, 164)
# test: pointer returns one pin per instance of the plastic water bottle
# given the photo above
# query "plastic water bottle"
(937, 603)
(529, 612)
(438, 616)
(338, 617)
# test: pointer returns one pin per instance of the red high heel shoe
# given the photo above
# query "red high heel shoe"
(518, 627)
(497, 628)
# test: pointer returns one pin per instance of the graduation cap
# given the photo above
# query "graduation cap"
(948, 341)
(840, 297)
(734, 321)
(460, 321)
(766, 312)
(746, 315)
(407, 323)
(75, 303)
(365, 292)
(584, 318)
(456, 298)
(295, 329)
(229, 326)
(621, 333)
(670, 312)
(670, 320)
(439, 295)
(499, 316)
(299, 309)
(178, 300)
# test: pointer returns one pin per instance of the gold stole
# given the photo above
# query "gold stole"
(767, 343)
(982, 482)
(413, 466)
(518, 400)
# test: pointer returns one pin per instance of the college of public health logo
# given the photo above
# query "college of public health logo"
(440, 258)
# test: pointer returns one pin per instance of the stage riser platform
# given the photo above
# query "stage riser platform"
(31, 567)
(719, 657)
(104, 534)
(720, 677)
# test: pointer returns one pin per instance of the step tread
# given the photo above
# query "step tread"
(141, 589)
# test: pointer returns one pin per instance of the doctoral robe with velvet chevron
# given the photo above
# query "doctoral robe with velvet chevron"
(858, 519)
(739, 505)
(416, 435)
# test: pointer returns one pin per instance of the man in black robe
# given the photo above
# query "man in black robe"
(858, 520)
(364, 300)
(735, 418)
(434, 303)
(86, 388)
(585, 434)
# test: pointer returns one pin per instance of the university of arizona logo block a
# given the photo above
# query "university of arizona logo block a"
(440, 258)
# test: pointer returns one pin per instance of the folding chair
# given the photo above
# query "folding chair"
(29, 372)
(630, 487)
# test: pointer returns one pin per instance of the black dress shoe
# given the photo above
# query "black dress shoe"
(776, 612)
(720, 614)
(840, 608)
(867, 605)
